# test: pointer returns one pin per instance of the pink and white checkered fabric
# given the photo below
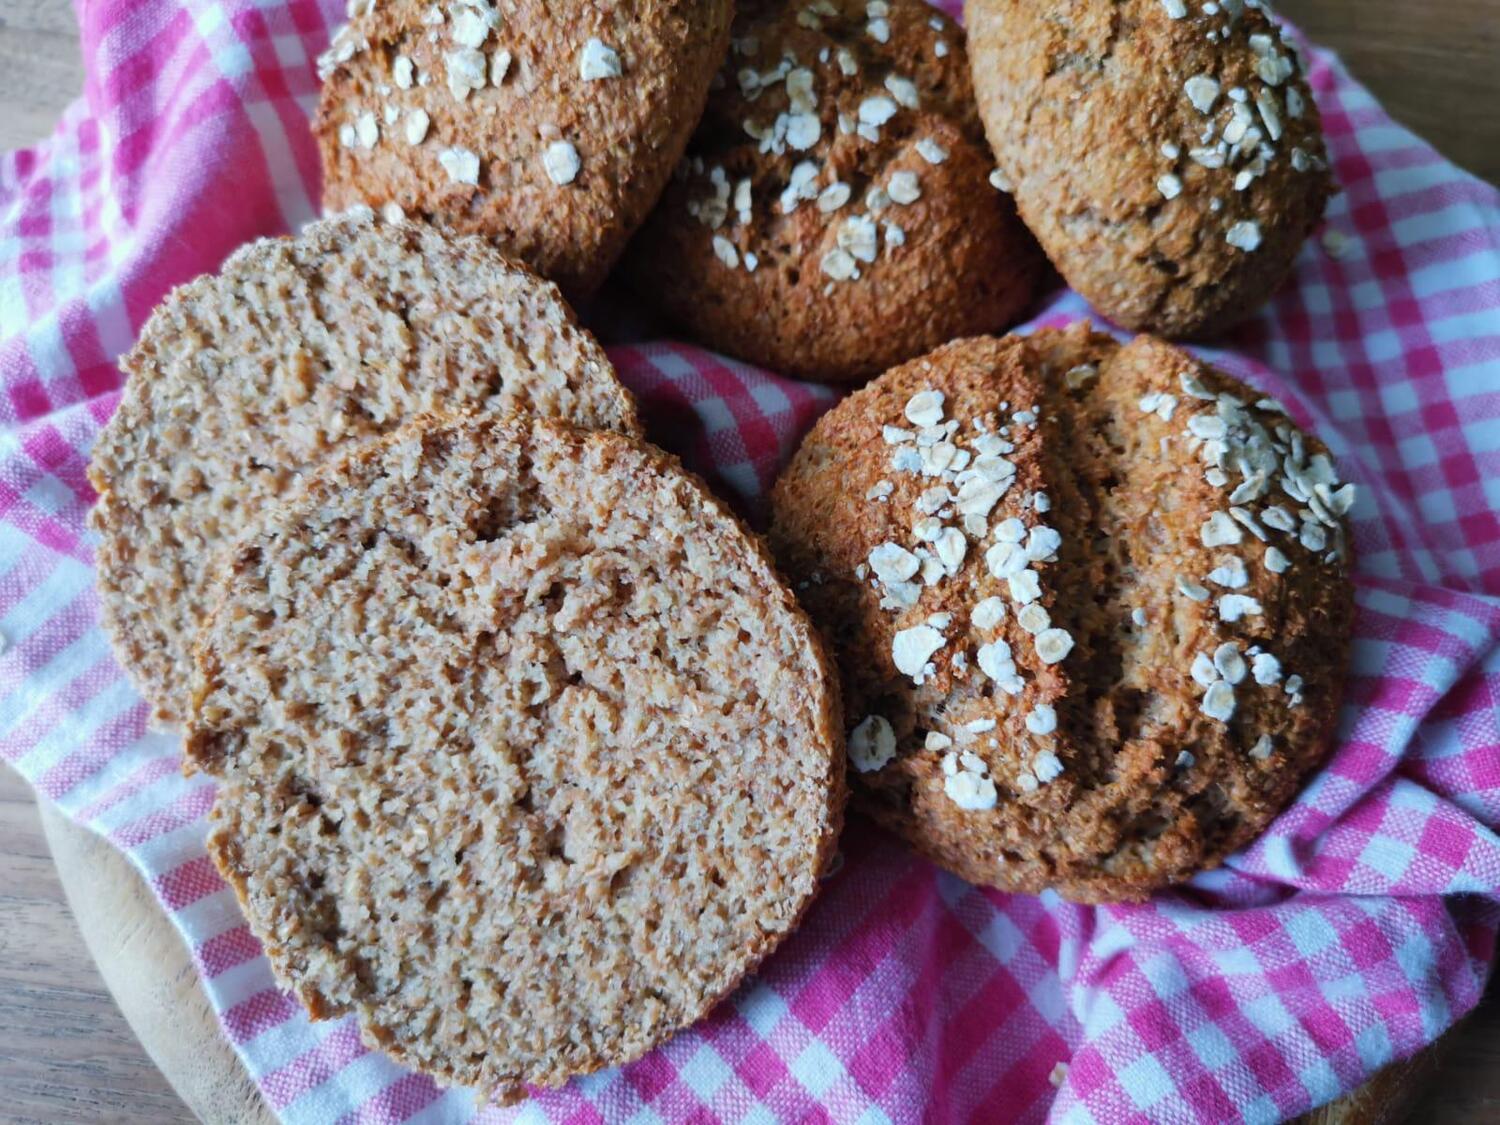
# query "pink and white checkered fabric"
(1358, 929)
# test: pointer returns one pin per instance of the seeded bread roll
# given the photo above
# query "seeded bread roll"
(1091, 603)
(835, 216)
(526, 755)
(1168, 156)
(550, 126)
(245, 380)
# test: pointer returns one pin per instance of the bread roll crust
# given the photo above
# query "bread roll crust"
(548, 126)
(834, 216)
(1066, 732)
(1170, 165)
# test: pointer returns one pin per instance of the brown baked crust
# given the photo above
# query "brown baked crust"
(628, 130)
(1129, 495)
(1079, 97)
(526, 755)
(244, 380)
(961, 264)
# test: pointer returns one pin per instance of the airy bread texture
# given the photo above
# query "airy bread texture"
(550, 126)
(834, 216)
(1168, 156)
(526, 755)
(1091, 604)
(245, 380)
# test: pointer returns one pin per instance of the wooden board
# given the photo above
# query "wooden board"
(146, 965)
(65, 1052)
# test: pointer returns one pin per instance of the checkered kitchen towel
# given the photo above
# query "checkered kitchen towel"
(1358, 929)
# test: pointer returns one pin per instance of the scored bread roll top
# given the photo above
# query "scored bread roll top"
(1168, 156)
(525, 753)
(244, 381)
(1091, 605)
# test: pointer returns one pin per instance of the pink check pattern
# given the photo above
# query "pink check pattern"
(1358, 929)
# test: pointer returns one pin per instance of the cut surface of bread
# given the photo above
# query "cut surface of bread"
(525, 753)
(243, 381)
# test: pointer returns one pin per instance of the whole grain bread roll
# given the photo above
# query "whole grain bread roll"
(549, 126)
(835, 215)
(1168, 156)
(526, 756)
(1091, 604)
(244, 381)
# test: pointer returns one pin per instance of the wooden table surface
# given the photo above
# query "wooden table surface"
(67, 1055)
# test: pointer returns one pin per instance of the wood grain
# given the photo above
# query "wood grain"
(66, 1053)
(40, 71)
(146, 965)
(1434, 65)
